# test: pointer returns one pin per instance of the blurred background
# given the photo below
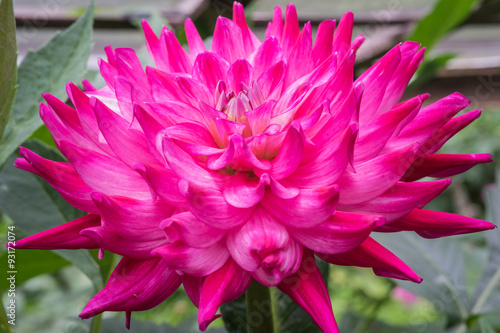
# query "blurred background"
(460, 292)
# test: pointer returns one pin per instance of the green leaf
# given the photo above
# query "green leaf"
(487, 295)
(446, 15)
(8, 62)
(234, 315)
(34, 206)
(31, 263)
(441, 263)
(62, 59)
(114, 325)
(485, 326)
(427, 71)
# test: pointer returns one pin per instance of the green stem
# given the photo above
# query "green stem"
(4, 322)
(95, 324)
(260, 318)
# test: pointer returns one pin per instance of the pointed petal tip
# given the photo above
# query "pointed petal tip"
(203, 323)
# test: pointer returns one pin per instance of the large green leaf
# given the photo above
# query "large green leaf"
(34, 206)
(8, 61)
(446, 15)
(441, 263)
(31, 263)
(62, 59)
(487, 295)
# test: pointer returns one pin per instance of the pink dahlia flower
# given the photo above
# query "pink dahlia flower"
(242, 162)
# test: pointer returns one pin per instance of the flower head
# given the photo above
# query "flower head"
(238, 163)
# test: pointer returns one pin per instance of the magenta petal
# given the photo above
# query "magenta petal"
(62, 176)
(309, 208)
(307, 288)
(163, 182)
(250, 41)
(443, 165)
(228, 40)
(240, 72)
(209, 69)
(372, 254)
(291, 29)
(375, 176)
(341, 233)
(210, 207)
(134, 285)
(194, 40)
(193, 232)
(324, 41)
(267, 55)
(65, 236)
(399, 200)
(224, 285)
(192, 286)
(193, 261)
(279, 265)
(257, 238)
(105, 174)
(289, 156)
(343, 35)
(242, 191)
(128, 144)
(431, 224)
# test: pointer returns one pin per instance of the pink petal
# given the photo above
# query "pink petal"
(105, 174)
(270, 81)
(343, 36)
(375, 176)
(448, 130)
(228, 40)
(224, 285)
(258, 118)
(196, 45)
(430, 119)
(341, 233)
(324, 164)
(444, 165)
(192, 286)
(209, 206)
(106, 238)
(431, 224)
(376, 79)
(374, 136)
(275, 28)
(65, 236)
(134, 285)
(267, 55)
(300, 59)
(250, 41)
(209, 69)
(164, 87)
(61, 176)
(137, 220)
(309, 208)
(187, 168)
(289, 156)
(256, 239)
(179, 61)
(130, 145)
(324, 41)
(193, 232)
(242, 191)
(291, 29)
(279, 265)
(163, 182)
(240, 72)
(307, 288)
(400, 199)
(263, 247)
(152, 41)
(372, 254)
(191, 260)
